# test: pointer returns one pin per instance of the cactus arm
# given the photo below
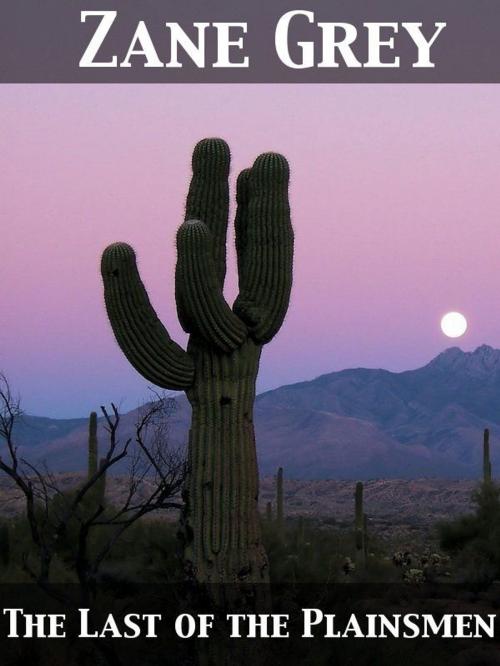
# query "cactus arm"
(264, 246)
(201, 306)
(208, 197)
(241, 219)
(140, 334)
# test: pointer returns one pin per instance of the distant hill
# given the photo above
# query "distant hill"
(395, 507)
(368, 423)
(357, 423)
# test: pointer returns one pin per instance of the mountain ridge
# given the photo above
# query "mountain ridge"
(354, 423)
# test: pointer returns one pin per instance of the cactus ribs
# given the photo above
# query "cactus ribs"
(219, 369)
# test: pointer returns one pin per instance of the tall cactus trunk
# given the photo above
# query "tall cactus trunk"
(221, 510)
(359, 527)
(486, 457)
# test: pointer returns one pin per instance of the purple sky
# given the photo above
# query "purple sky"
(395, 197)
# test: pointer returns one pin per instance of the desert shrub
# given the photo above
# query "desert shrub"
(313, 551)
(304, 553)
(474, 539)
(147, 551)
(153, 552)
(4, 545)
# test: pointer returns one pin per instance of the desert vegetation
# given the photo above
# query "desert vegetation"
(103, 525)
(110, 536)
(77, 529)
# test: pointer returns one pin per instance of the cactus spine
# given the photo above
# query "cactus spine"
(93, 446)
(280, 516)
(359, 526)
(219, 369)
(486, 457)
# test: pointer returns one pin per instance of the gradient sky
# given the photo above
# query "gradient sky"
(395, 196)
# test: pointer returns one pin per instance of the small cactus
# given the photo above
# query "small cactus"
(98, 490)
(269, 512)
(486, 457)
(280, 517)
(348, 566)
(414, 576)
(359, 527)
(365, 534)
(92, 446)
(4, 545)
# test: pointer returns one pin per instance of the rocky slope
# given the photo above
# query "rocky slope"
(417, 504)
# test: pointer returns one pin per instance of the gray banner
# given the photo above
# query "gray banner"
(44, 41)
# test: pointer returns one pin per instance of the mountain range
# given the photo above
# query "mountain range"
(353, 424)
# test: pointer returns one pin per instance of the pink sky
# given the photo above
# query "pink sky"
(395, 196)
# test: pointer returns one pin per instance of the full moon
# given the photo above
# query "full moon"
(454, 324)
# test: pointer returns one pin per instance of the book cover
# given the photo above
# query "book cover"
(249, 342)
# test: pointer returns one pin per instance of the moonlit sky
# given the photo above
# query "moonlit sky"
(395, 196)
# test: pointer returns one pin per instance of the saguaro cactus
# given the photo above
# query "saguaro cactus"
(365, 535)
(219, 369)
(486, 457)
(359, 526)
(280, 515)
(92, 445)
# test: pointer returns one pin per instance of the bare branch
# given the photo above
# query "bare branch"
(155, 477)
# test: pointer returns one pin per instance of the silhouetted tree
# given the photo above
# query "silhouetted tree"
(63, 522)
